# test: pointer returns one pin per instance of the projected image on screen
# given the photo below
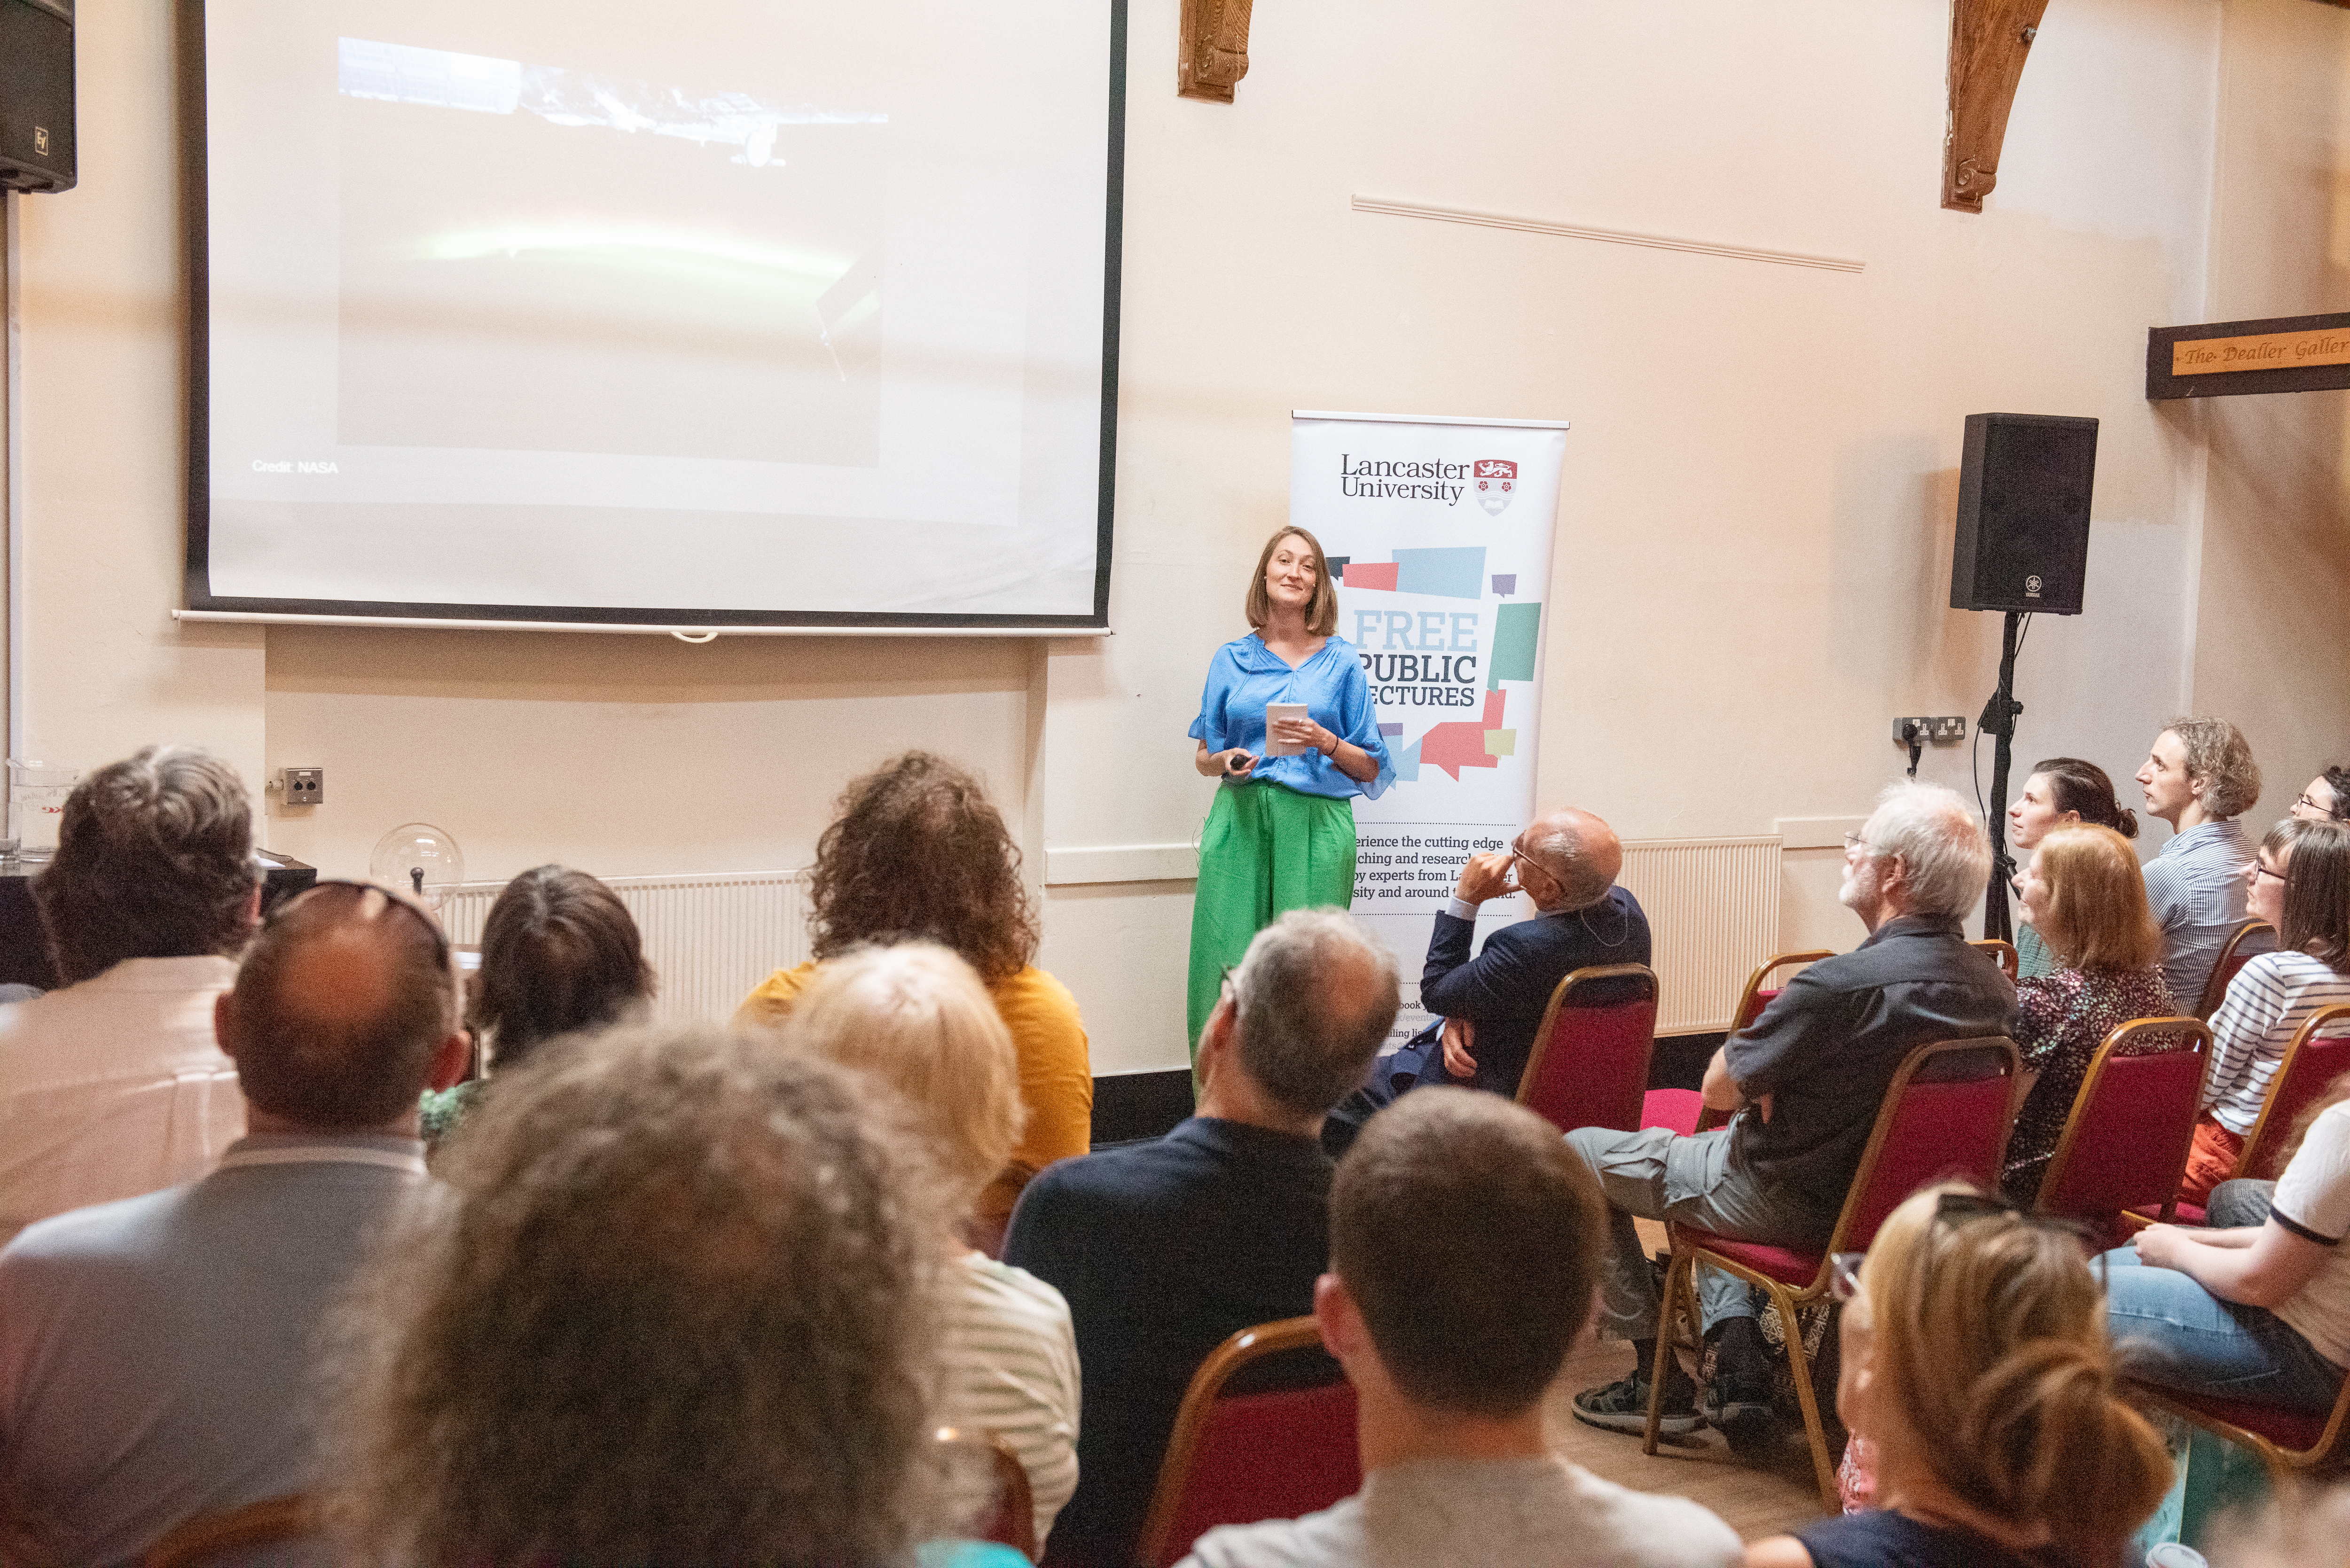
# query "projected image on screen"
(756, 312)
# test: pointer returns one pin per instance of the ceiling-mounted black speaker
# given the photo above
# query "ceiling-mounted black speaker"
(36, 95)
(2024, 513)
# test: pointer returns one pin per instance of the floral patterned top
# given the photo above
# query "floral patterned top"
(2061, 1019)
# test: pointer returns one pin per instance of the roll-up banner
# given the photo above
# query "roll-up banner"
(1439, 532)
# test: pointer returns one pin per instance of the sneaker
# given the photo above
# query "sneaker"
(1738, 1408)
(1623, 1406)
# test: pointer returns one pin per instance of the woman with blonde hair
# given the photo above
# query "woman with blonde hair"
(1976, 1361)
(915, 850)
(1281, 832)
(2083, 894)
(915, 1018)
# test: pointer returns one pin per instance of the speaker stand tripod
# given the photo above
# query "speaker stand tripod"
(1998, 722)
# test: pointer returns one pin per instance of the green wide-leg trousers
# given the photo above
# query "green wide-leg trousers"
(1268, 849)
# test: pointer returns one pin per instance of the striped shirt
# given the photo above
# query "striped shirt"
(2270, 998)
(1011, 1369)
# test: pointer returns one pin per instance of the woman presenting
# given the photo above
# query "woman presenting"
(1281, 835)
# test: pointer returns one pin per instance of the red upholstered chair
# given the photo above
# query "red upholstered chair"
(1683, 1110)
(2250, 940)
(1945, 1114)
(1267, 1430)
(2285, 1441)
(2310, 1063)
(207, 1536)
(1589, 1065)
(2010, 962)
(1008, 1516)
(2125, 1144)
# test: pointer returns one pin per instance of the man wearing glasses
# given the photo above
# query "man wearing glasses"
(1804, 1083)
(155, 1353)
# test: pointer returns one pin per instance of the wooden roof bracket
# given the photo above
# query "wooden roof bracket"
(1212, 54)
(1989, 41)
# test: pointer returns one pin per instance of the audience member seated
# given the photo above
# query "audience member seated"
(2256, 1312)
(2300, 883)
(2083, 895)
(560, 953)
(2327, 798)
(678, 1308)
(1164, 1249)
(1464, 1248)
(1976, 1363)
(113, 1085)
(156, 1353)
(916, 1017)
(1488, 1007)
(2199, 778)
(1806, 1081)
(2062, 792)
(915, 850)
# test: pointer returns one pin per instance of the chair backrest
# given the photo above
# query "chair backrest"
(1589, 1065)
(1754, 998)
(2247, 942)
(2317, 1055)
(1267, 1430)
(196, 1541)
(2125, 1144)
(1946, 1116)
(1008, 1516)
(2010, 961)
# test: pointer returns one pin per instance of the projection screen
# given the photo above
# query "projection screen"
(750, 313)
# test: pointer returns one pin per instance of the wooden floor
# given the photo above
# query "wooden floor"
(1756, 1498)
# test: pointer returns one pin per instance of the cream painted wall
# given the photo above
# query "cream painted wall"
(1756, 521)
(2270, 651)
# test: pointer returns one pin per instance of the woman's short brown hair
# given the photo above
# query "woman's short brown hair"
(915, 850)
(2220, 760)
(2316, 914)
(560, 953)
(1321, 611)
(2097, 916)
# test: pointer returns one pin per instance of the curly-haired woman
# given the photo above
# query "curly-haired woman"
(915, 850)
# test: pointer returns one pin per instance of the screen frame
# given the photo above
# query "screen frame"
(200, 603)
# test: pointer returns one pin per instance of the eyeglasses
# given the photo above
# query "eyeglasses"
(1953, 1210)
(356, 890)
(2324, 811)
(2261, 869)
(1853, 841)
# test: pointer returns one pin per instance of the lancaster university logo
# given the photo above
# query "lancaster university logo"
(1495, 478)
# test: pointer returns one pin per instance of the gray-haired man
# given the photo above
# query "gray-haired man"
(1804, 1083)
(1164, 1249)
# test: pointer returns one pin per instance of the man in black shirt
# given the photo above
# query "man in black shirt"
(1805, 1082)
(1165, 1249)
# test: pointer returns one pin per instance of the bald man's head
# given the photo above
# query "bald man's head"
(1581, 853)
(340, 1009)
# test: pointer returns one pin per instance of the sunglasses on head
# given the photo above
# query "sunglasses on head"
(1953, 1210)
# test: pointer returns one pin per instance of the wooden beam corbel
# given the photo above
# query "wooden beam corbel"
(1214, 53)
(1989, 41)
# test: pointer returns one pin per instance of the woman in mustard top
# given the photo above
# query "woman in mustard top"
(915, 850)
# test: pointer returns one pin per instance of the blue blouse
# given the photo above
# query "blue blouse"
(1245, 675)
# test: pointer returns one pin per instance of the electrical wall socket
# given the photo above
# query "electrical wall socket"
(304, 786)
(1939, 731)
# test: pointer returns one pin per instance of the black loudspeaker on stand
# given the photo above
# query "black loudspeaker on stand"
(2022, 547)
(36, 95)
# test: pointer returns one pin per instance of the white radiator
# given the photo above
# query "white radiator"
(710, 937)
(1713, 912)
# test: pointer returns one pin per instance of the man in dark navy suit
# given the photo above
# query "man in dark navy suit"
(1489, 1006)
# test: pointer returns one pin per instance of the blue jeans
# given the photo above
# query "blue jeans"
(2187, 1338)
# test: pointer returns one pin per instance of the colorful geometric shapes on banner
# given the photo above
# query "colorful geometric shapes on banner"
(1407, 762)
(1337, 565)
(1506, 583)
(1514, 632)
(1501, 743)
(1369, 575)
(1391, 728)
(1461, 743)
(1456, 572)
